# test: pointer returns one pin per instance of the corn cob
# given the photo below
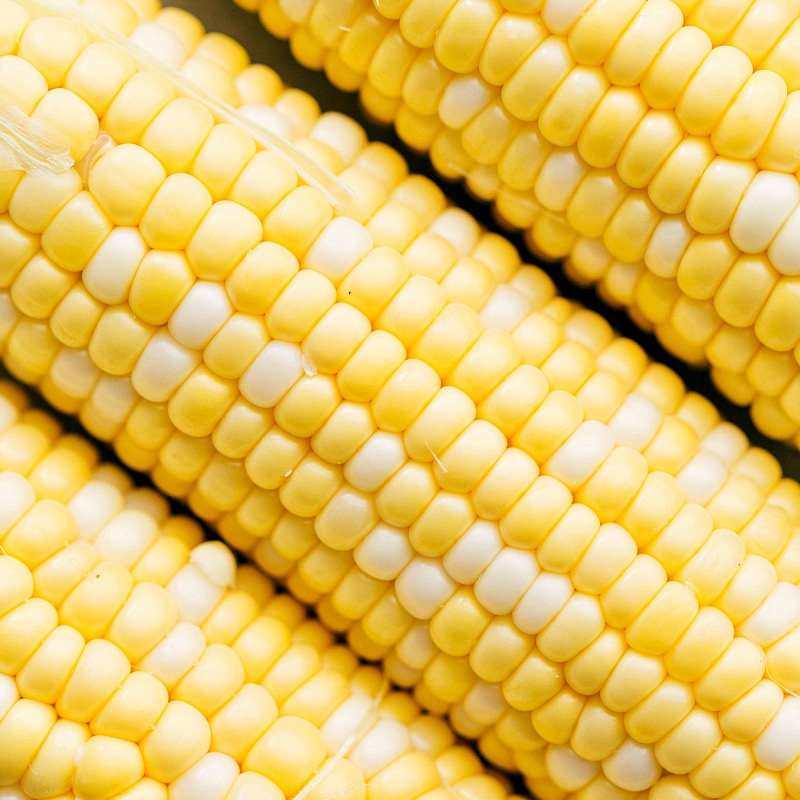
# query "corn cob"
(292, 528)
(651, 144)
(138, 661)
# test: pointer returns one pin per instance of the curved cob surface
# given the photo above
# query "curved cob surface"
(365, 512)
(138, 661)
(653, 145)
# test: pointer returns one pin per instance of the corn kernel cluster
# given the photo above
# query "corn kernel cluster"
(651, 144)
(139, 661)
(476, 481)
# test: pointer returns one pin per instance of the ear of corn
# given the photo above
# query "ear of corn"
(386, 410)
(651, 145)
(137, 660)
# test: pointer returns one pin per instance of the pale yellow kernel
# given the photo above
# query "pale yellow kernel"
(612, 487)
(72, 117)
(751, 116)
(527, 91)
(519, 166)
(725, 550)
(225, 235)
(40, 533)
(390, 63)
(307, 405)
(725, 683)
(347, 428)
(98, 73)
(446, 416)
(234, 347)
(632, 227)
(536, 512)
(298, 219)
(690, 742)
(193, 123)
(633, 678)
(566, 113)
(288, 753)
(508, 405)
(499, 650)
(260, 277)
(608, 128)
(642, 42)
(346, 519)
(568, 539)
(222, 158)
(24, 628)
(310, 486)
(180, 737)
(556, 719)
(775, 325)
(632, 591)
(659, 712)
(596, 31)
(23, 729)
(448, 338)
(133, 709)
(118, 340)
(52, 45)
(276, 454)
(718, 22)
(742, 293)
(510, 40)
(504, 483)
(200, 402)
(598, 732)
(468, 458)
(101, 669)
(712, 88)
(590, 669)
(672, 187)
(51, 770)
(679, 605)
(650, 143)
(60, 574)
(300, 305)
(404, 395)
(777, 152)
(45, 673)
(440, 525)
(242, 720)
(146, 602)
(406, 494)
(26, 86)
(681, 538)
(575, 626)
(673, 67)
(263, 183)
(370, 366)
(174, 212)
(704, 264)
(743, 720)
(412, 310)
(105, 767)
(139, 101)
(456, 626)
(212, 681)
(124, 180)
(550, 426)
(372, 284)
